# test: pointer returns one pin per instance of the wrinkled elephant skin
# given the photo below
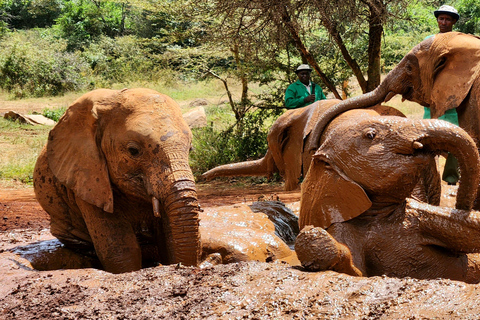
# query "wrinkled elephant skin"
(355, 213)
(229, 234)
(114, 177)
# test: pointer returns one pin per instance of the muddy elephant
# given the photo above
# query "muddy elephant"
(441, 72)
(114, 178)
(285, 154)
(355, 214)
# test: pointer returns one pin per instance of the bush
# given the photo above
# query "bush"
(33, 65)
(246, 141)
(119, 60)
(54, 114)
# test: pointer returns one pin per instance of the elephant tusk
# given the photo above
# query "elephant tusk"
(417, 145)
(156, 207)
(389, 96)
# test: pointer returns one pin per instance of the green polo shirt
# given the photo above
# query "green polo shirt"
(297, 91)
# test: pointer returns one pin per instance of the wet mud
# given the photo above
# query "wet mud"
(241, 290)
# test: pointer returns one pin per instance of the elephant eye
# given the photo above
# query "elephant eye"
(370, 134)
(133, 149)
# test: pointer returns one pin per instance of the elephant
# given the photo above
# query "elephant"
(114, 177)
(441, 72)
(285, 153)
(356, 216)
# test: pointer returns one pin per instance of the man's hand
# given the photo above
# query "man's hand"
(310, 98)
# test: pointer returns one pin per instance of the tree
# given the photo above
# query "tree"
(83, 21)
(26, 14)
(469, 11)
(351, 24)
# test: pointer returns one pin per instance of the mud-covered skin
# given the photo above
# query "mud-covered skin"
(114, 176)
(441, 72)
(357, 189)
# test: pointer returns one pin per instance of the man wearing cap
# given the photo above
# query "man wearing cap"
(447, 16)
(303, 91)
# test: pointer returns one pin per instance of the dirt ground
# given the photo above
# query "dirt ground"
(250, 290)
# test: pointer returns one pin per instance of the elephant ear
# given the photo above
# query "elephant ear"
(74, 155)
(455, 69)
(328, 196)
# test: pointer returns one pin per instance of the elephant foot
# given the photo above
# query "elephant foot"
(317, 250)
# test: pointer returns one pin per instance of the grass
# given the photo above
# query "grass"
(20, 144)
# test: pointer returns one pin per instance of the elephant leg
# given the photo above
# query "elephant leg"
(457, 230)
(317, 250)
(113, 238)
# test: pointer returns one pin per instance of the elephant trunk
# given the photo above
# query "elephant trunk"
(443, 136)
(179, 231)
(366, 100)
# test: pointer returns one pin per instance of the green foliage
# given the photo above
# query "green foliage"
(54, 114)
(247, 141)
(119, 60)
(83, 21)
(26, 14)
(39, 68)
(469, 11)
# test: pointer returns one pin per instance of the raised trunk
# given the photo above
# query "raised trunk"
(443, 136)
(366, 100)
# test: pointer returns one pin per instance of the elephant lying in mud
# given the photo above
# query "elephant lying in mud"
(355, 214)
(114, 177)
(285, 153)
(441, 72)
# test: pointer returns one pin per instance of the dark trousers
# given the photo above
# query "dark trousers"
(451, 173)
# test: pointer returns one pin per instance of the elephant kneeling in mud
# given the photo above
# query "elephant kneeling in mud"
(355, 214)
(114, 177)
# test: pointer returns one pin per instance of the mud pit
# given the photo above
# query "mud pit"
(235, 291)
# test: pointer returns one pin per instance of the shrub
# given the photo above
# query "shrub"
(246, 141)
(34, 66)
(54, 114)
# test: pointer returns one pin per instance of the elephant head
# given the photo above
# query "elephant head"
(369, 165)
(115, 173)
(441, 72)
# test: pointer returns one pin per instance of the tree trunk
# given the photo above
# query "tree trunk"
(352, 63)
(374, 47)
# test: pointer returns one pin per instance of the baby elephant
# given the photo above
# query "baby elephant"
(356, 218)
(114, 177)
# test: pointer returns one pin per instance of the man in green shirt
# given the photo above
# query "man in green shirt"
(303, 92)
(447, 16)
